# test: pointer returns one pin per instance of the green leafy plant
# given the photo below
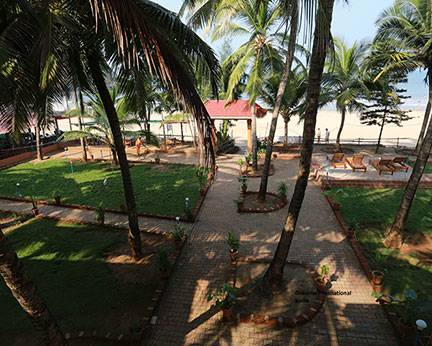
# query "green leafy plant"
(56, 193)
(324, 272)
(243, 180)
(179, 231)
(337, 196)
(282, 189)
(34, 203)
(233, 242)
(224, 296)
(100, 214)
(380, 262)
(240, 162)
(405, 308)
(202, 174)
(164, 260)
(353, 225)
(187, 209)
(248, 158)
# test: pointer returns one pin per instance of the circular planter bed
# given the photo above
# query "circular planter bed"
(272, 203)
(258, 173)
(296, 303)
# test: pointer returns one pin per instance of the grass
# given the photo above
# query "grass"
(374, 210)
(66, 262)
(428, 168)
(158, 189)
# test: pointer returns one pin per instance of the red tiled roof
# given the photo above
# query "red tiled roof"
(237, 109)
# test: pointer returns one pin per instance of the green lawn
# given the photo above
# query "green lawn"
(66, 261)
(158, 188)
(428, 169)
(374, 210)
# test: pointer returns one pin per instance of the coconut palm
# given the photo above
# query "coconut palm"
(25, 292)
(256, 56)
(344, 77)
(407, 26)
(100, 128)
(273, 276)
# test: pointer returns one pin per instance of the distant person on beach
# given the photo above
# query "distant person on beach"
(327, 136)
(319, 135)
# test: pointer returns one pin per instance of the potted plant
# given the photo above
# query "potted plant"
(248, 158)
(57, 197)
(234, 244)
(202, 175)
(35, 209)
(322, 280)
(100, 214)
(157, 158)
(379, 264)
(336, 197)
(240, 204)
(123, 207)
(352, 228)
(164, 261)
(178, 234)
(240, 163)
(283, 191)
(187, 209)
(243, 180)
(225, 299)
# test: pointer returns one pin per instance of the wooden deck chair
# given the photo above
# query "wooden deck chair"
(356, 162)
(338, 159)
(382, 165)
(398, 163)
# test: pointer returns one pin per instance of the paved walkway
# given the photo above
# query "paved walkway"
(186, 317)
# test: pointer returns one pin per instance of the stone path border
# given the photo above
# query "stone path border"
(195, 212)
(263, 210)
(277, 321)
(157, 294)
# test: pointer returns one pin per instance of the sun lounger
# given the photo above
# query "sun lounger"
(382, 165)
(356, 162)
(398, 163)
(338, 159)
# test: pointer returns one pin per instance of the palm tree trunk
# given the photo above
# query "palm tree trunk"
(395, 235)
(38, 143)
(380, 134)
(279, 97)
(134, 233)
(273, 277)
(426, 116)
(25, 292)
(338, 146)
(114, 157)
(254, 139)
(286, 132)
(181, 132)
(80, 105)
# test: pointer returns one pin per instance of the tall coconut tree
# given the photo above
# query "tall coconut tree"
(25, 292)
(408, 27)
(344, 77)
(273, 276)
(256, 56)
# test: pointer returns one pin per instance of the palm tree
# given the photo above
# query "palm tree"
(344, 77)
(100, 129)
(258, 54)
(407, 25)
(25, 292)
(292, 101)
(273, 276)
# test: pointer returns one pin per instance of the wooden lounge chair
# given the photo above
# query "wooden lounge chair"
(398, 163)
(338, 159)
(382, 165)
(356, 162)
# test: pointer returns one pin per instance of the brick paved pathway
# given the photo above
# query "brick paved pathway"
(186, 318)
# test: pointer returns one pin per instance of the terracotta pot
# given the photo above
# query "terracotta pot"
(178, 243)
(202, 192)
(350, 233)
(240, 207)
(101, 222)
(157, 160)
(165, 274)
(275, 156)
(57, 199)
(228, 315)
(233, 255)
(336, 206)
(123, 208)
(404, 329)
(285, 199)
(321, 284)
(244, 188)
(35, 211)
(378, 288)
(377, 277)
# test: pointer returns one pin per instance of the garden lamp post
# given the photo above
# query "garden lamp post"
(72, 169)
(101, 155)
(327, 172)
(19, 190)
(65, 153)
(421, 325)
